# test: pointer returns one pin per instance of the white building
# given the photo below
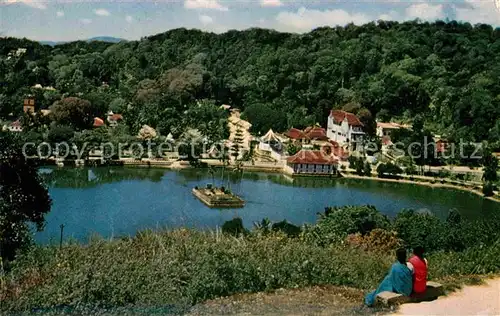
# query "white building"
(345, 128)
(313, 162)
(272, 144)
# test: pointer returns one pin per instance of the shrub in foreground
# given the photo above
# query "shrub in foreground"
(338, 222)
(181, 268)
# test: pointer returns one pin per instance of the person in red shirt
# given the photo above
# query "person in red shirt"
(418, 265)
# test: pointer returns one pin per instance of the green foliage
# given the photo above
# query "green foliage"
(338, 222)
(74, 112)
(265, 117)
(60, 133)
(234, 227)
(388, 170)
(289, 229)
(292, 149)
(180, 268)
(367, 170)
(24, 199)
(420, 229)
(488, 188)
(490, 164)
(358, 164)
(388, 70)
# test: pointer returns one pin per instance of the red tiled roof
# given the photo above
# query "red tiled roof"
(339, 116)
(295, 133)
(98, 122)
(15, 124)
(317, 157)
(116, 117)
(316, 132)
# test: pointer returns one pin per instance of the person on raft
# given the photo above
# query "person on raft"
(398, 280)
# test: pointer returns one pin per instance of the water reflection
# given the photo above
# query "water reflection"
(77, 178)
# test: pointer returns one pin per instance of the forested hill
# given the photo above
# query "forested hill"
(448, 72)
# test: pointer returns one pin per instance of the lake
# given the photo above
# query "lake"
(117, 201)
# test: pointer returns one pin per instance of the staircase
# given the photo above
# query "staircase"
(263, 156)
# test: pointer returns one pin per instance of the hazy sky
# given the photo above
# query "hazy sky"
(69, 20)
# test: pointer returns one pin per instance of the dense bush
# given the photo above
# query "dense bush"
(234, 227)
(420, 229)
(388, 170)
(358, 164)
(338, 222)
(289, 229)
(488, 189)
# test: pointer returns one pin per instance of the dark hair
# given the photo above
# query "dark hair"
(401, 255)
(419, 251)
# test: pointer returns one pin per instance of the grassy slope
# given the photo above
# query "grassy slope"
(180, 268)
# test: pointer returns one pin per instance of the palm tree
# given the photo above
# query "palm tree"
(239, 172)
(224, 159)
(211, 170)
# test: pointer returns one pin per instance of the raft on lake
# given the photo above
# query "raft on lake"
(218, 197)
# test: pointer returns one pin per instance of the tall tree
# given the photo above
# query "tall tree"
(24, 199)
(74, 112)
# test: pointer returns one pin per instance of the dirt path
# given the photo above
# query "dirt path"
(318, 300)
(471, 300)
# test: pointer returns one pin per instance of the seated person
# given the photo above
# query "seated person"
(418, 266)
(399, 279)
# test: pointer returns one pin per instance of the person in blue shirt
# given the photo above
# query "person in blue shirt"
(399, 280)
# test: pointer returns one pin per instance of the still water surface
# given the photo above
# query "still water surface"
(120, 201)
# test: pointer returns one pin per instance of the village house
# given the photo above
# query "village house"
(308, 135)
(29, 106)
(384, 131)
(296, 135)
(13, 127)
(312, 162)
(316, 133)
(442, 144)
(98, 122)
(113, 118)
(345, 128)
(39, 86)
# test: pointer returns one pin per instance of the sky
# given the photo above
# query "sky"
(65, 20)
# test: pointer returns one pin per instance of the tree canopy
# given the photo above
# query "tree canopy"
(24, 199)
(446, 71)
